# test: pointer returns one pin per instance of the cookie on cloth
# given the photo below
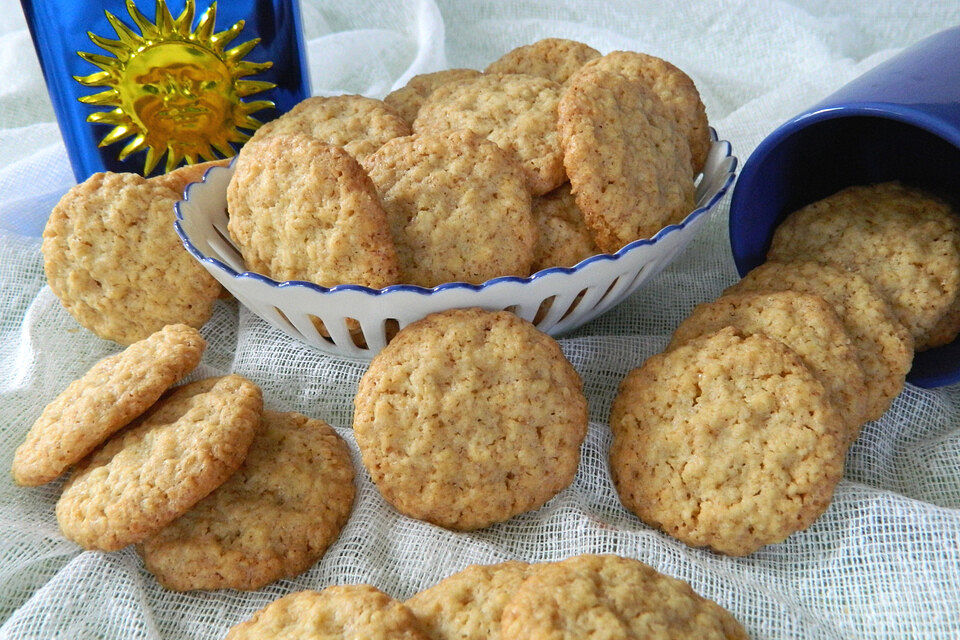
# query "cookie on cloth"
(516, 111)
(146, 476)
(359, 124)
(554, 58)
(457, 205)
(884, 346)
(407, 100)
(348, 612)
(628, 163)
(470, 417)
(272, 519)
(727, 441)
(105, 399)
(904, 241)
(113, 258)
(606, 596)
(563, 239)
(469, 604)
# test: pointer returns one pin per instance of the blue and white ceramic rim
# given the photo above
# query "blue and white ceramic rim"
(358, 321)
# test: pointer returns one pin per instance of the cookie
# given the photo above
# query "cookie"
(516, 111)
(674, 88)
(112, 257)
(606, 596)
(406, 101)
(469, 417)
(563, 238)
(629, 164)
(301, 209)
(553, 58)
(145, 477)
(903, 240)
(727, 441)
(468, 605)
(178, 179)
(358, 124)
(805, 323)
(108, 397)
(458, 208)
(271, 519)
(349, 612)
(884, 346)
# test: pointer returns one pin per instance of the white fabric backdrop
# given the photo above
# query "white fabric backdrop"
(883, 562)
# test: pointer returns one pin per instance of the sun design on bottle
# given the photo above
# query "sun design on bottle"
(174, 90)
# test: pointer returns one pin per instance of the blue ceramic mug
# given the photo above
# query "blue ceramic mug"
(898, 121)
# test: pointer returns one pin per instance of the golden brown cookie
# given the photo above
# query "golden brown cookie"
(606, 596)
(554, 58)
(469, 417)
(469, 604)
(358, 124)
(903, 240)
(884, 346)
(407, 100)
(112, 256)
(516, 111)
(301, 209)
(727, 441)
(629, 164)
(271, 519)
(803, 322)
(145, 477)
(111, 394)
(178, 179)
(563, 239)
(674, 88)
(457, 206)
(349, 612)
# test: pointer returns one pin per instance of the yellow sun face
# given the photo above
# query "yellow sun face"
(174, 90)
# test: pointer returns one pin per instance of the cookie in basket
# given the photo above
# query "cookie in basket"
(407, 100)
(563, 239)
(457, 205)
(727, 441)
(105, 399)
(146, 476)
(470, 417)
(904, 241)
(606, 596)
(113, 258)
(516, 111)
(272, 519)
(629, 164)
(348, 612)
(554, 58)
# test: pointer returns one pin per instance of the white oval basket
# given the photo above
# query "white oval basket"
(359, 321)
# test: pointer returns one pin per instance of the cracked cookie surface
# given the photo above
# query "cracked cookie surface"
(408, 99)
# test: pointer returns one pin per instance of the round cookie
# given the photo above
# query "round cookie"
(468, 605)
(469, 417)
(727, 441)
(516, 111)
(903, 240)
(407, 100)
(457, 206)
(554, 58)
(348, 612)
(111, 394)
(803, 322)
(884, 346)
(301, 209)
(674, 88)
(358, 124)
(563, 238)
(606, 596)
(145, 477)
(272, 519)
(112, 257)
(628, 163)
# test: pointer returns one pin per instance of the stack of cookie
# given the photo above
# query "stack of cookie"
(215, 492)
(601, 596)
(735, 437)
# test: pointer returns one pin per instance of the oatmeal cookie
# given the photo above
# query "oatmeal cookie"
(554, 58)
(407, 100)
(563, 239)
